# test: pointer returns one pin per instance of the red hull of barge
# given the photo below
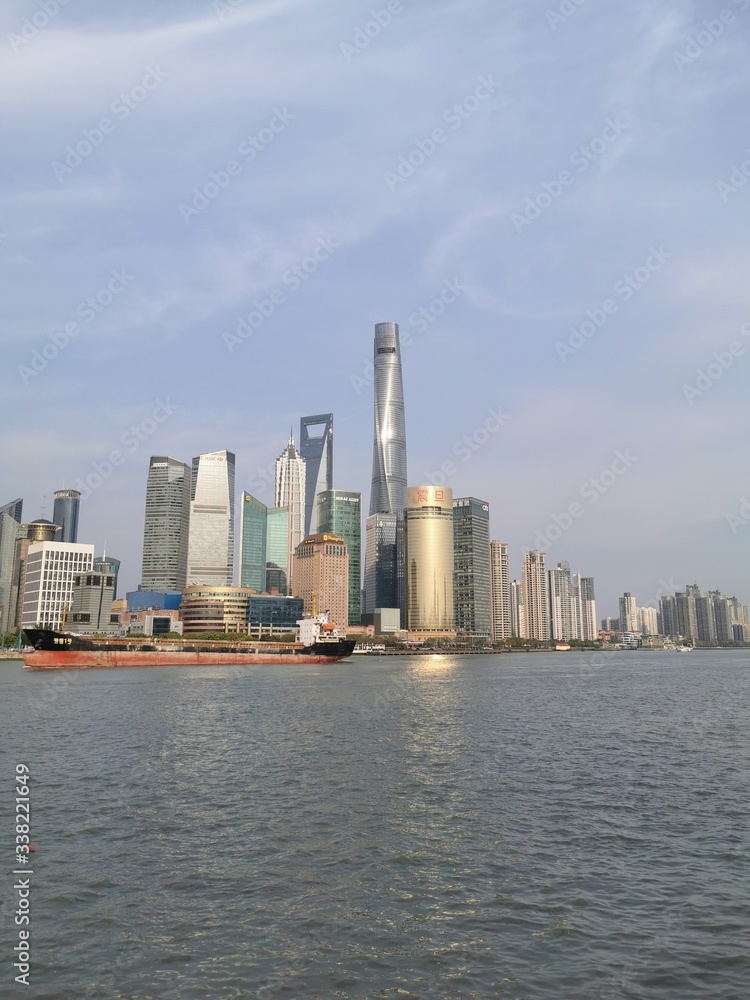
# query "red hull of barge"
(87, 659)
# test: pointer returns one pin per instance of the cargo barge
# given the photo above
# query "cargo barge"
(319, 642)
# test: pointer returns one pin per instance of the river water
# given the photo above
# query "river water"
(538, 826)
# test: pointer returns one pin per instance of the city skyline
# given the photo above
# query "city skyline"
(547, 604)
(546, 324)
(11, 512)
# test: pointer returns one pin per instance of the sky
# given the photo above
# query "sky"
(206, 207)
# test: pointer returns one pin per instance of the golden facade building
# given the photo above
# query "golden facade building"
(321, 575)
(428, 559)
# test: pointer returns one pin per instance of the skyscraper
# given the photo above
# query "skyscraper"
(428, 559)
(628, 613)
(316, 447)
(502, 618)
(167, 525)
(563, 616)
(687, 624)
(722, 616)
(65, 513)
(290, 492)
(585, 604)
(647, 621)
(535, 599)
(277, 550)
(388, 493)
(472, 586)
(211, 537)
(253, 542)
(668, 616)
(11, 530)
(380, 588)
(339, 512)
(517, 610)
(321, 576)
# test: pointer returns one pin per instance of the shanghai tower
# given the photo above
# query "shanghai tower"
(388, 493)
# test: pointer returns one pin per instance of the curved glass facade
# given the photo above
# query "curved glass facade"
(388, 493)
(428, 559)
(65, 514)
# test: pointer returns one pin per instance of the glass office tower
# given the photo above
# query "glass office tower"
(428, 559)
(316, 447)
(472, 584)
(211, 539)
(339, 512)
(388, 493)
(167, 525)
(11, 530)
(65, 514)
(253, 540)
(277, 550)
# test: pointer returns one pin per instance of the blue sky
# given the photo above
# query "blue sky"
(561, 165)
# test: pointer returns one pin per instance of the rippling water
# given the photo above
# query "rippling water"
(525, 826)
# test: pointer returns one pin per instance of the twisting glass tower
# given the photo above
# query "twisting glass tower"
(388, 494)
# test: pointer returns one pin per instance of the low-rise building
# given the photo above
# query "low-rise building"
(268, 614)
(91, 607)
(205, 608)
